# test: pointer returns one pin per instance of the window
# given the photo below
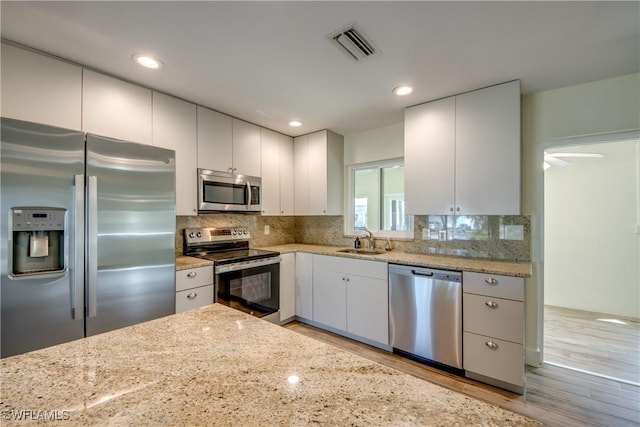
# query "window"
(376, 200)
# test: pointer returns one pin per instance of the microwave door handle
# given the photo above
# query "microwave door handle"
(248, 195)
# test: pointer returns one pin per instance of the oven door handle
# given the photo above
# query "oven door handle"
(246, 265)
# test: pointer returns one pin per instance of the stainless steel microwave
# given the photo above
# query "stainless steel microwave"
(228, 192)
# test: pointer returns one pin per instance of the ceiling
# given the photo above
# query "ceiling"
(270, 62)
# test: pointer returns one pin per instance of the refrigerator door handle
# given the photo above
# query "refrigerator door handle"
(92, 247)
(77, 307)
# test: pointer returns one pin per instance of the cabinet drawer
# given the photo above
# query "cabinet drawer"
(194, 298)
(193, 278)
(351, 266)
(495, 317)
(493, 285)
(493, 358)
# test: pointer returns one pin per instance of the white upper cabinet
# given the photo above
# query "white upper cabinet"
(429, 157)
(227, 144)
(277, 173)
(488, 150)
(286, 175)
(116, 109)
(246, 148)
(40, 89)
(174, 127)
(318, 173)
(462, 154)
(215, 140)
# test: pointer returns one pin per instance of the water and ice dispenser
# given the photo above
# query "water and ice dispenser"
(38, 240)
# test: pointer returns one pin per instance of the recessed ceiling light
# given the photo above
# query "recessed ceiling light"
(403, 90)
(295, 123)
(147, 61)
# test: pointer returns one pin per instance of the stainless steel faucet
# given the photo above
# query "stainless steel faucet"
(372, 241)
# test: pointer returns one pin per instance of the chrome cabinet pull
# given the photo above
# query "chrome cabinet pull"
(192, 295)
(492, 345)
(192, 274)
(491, 281)
(491, 304)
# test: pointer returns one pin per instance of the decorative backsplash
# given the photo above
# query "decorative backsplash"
(493, 243)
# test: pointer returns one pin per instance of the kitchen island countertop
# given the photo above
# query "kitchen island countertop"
(506, 268)
(218, 366)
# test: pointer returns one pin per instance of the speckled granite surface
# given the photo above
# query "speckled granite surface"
(187, 262)
(218, 366)
(507, 268)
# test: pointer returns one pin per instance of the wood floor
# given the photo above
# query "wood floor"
(555, 396)
(577, 339)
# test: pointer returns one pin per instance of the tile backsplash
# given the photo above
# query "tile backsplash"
(329, 230)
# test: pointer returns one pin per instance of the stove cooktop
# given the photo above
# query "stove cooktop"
(229, 257)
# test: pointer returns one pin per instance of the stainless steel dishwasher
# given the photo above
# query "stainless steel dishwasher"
(425, 315)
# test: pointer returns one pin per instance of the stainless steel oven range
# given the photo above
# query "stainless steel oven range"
(245, 279)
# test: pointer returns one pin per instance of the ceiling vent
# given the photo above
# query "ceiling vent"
(353, 41)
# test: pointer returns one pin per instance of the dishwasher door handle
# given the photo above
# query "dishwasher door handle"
(423, 274)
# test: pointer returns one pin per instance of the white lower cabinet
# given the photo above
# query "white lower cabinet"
(287, 286)
(351, 296)
(493, 323)
(304, 286)
(194, 288)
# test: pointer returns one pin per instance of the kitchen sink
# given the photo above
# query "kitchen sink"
(362, 251)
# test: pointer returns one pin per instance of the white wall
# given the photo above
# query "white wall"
(610, 105)
(382, 143)
(591, 248)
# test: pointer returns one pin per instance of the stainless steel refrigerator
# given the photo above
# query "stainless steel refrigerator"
(87, 235)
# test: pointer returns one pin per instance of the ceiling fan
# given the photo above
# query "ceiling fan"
(556, 159)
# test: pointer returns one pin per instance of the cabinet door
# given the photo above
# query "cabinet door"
(301, 175)
(304, 285)
(174, 127)
(330, 298)
(429, 157)
(246, 148)
(494, 358)
(368, 308)
(488, 151)
(317, 173)
(287, 286)
(286, 175)
(116, 109)
(40, 89)
(214, 140)
(270, 172)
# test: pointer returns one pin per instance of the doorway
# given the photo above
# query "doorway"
(592, 258)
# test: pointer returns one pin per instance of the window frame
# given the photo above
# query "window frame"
(349, 229)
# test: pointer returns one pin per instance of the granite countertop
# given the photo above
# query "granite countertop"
(218, 366)
(187, 262)
(507, 268)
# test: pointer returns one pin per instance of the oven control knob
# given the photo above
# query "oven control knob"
(234, 232)
(199, 234)
(246, 232)
(192, 235)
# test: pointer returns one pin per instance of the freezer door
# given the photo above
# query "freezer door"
(131, 233)
(41, 166)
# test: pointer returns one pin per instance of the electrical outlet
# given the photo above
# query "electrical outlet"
(514, 232)
(266, 230)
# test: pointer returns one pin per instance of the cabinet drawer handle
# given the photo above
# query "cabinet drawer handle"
(192, 274)
(192, 295)
(492, 345)
(491, 304)
(491, 281)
